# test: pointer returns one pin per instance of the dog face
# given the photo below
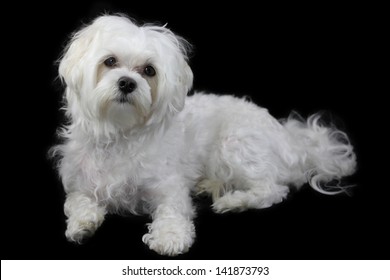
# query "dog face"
(120, 76)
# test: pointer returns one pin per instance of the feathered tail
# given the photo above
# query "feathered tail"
(327, 154)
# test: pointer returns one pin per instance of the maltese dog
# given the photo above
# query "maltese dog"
(135, 143)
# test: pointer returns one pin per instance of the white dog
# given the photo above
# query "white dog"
(135, 143)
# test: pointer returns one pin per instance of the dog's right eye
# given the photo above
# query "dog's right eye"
(110, 62)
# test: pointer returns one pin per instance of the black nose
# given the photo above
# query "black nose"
(127, 85)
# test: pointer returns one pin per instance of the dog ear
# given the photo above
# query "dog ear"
(175, 76)
(74, 57)
(175, 83)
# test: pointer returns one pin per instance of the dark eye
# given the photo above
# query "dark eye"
(149, 71)
(110, 62)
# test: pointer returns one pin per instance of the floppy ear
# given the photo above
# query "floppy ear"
(74, 57)
(175, 84)
(174, 74)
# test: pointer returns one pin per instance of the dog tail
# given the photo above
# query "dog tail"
(325, 153)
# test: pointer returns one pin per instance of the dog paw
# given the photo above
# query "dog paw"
(169, 236)
(234, 202)
(238, 201)
(80, 231)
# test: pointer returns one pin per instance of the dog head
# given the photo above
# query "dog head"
(120, 75)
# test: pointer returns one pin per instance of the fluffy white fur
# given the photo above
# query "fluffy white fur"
(149, 150)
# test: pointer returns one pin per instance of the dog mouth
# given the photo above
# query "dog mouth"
(125, 99)
(122, 100)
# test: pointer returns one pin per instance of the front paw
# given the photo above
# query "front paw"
(80, 231)
(84, 216)
(168, 236)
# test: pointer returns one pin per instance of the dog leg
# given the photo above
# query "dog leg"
(172, 231)
(84, 216)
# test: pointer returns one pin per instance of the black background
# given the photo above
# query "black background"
(285, 57)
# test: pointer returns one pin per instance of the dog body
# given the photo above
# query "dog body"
(135, 143)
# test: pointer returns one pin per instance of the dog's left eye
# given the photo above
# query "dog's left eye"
(149, 71)
(110, 62)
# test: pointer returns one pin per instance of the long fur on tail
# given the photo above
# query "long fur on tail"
(328, 154)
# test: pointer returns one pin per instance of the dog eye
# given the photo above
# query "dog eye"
(110, 62)
(149, 71)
